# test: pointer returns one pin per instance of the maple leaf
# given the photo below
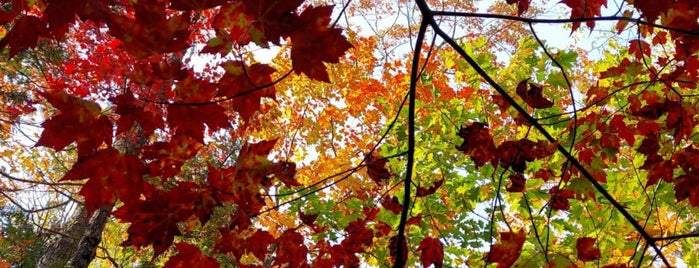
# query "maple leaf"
(376, 169)
(585, 9)
(517, 153)
(166, 158)
(586, 250)
(478, 143)
(507, 250)
(290, 249)
(189, 256)
(195, 4)
(152, 31)
(108, 170)
(314, 43)
(516, 183)
(392, 204)
(61, 14)
(308, 219)
(533, 97)
(285, 172)
(432, 252)
(639, 48)
(131, 114)
(233, 22)
(522, 5)
(190, 120)
(687, 187)
(24, 34)
(71, 124)
(258, 243)
(154, 219)
(649, 146)
(247, 86)
(425, 191)
(559, 198)
(359, 237)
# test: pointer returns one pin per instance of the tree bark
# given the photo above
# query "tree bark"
(64, 243)
(91, 238)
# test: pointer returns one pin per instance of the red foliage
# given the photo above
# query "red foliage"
(75, 116)
(376, 168)
(432, 252)
(506, 251)
(478, 143)
(25, 34)
(392, 204)
(189, 256)
(290, 249)
(516, 183)
(586, 250)
(425, 191)
(315, 43)
(534, 96)
(585, 9)
(107, 171)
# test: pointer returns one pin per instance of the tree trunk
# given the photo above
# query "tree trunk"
(91, 238)
(64, 243)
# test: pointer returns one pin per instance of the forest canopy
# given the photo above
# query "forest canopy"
(348, 133)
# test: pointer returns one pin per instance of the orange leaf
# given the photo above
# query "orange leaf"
(506, 251)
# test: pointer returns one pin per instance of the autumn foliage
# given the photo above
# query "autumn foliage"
(488, 146)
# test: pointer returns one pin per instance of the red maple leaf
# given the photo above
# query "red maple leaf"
(432, 252)
(522, 5)
(24, 34)
(130, 114)
(506, 251)
(193, 111)
(478, 143)
(559, 198)
(308, 219)
(534, 96)
(517, 153)
(359, 237)
(152, 31)
(61, 14)
(76, 116)
(166, 158)
(314, 43)
(155, 218)
(585, 9)
(687, 187)
(392, 204)
(195, 5)
(108, 172)
(258, 244)
(376, 168)
(246, 85)
(586, 250)
(233, 22)
(189, 256)
(516, 184)
(291, 249)
(425, 191)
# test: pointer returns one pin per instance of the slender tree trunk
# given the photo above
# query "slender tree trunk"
(63, 245)
(91, 238)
